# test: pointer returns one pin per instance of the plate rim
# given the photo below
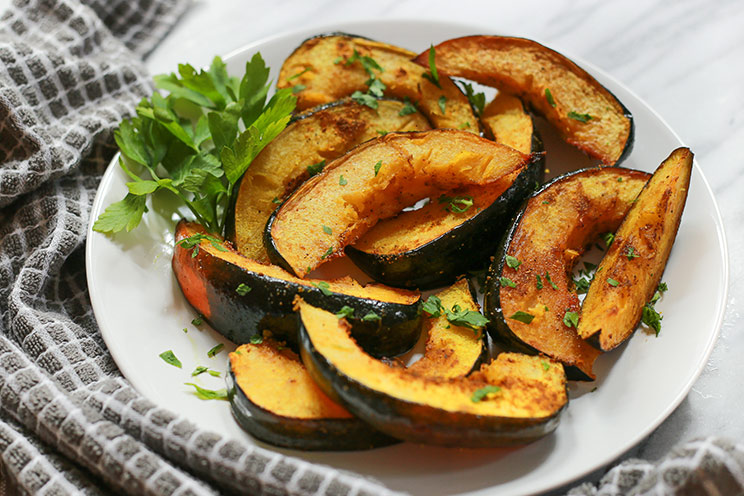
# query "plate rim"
(343, 26)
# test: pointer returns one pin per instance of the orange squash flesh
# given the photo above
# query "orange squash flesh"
(319, 135)
(505, 121)
(319, 66)
(451, 351)
(527, 69)
(552, 232)
(636, 259)
(532, 391)
(382, 177)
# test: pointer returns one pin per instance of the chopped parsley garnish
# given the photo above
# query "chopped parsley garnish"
(480, 394)
(571, 319)
(201, 369)
(408, 108)
(185, 331)
(608, 238)
(546, 202)
(327, 253)
(216, 349)
(323, 287)
(619, 179)
(539, 281)
(290, 78)
(545, 365)
(346, 312)
(512, 262)
(208, 394)
(550, 281)
(316, 168)
(297, 88)
(432, 76)
(375, 87)
(371, 317)
(549, 97)
(477, 100)
(589, 266)
(368, 63)
(276, 200)
(579, 117)
(442, 104)
(464, 125)
(505, 281)
(631, 253)
(197, 141)
(338, 60)
(464, 318)
(522, 317)
(651, 317)
(582, 285)
(432, 306)
(612, 282)
(327, 230)
(243, 289)
(197, 321)
(193, 242)
(382, 133)
(378, 166)
(170, 358)
(256, 339)
(662, 287)
(365, 99)
(457, 204)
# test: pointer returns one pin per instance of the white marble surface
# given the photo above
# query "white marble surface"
(684, 58)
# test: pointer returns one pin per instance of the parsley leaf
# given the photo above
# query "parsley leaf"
(579, 117)
(505, 281)
(378, 166)
(327, 230)
(371, 317)
(608, 238)
(345, 312)
(256, 339)
(327, 253)
(465, 318)
(512, 262)
(124, 214)
(243, 289)
(432, 306)
(432, 76)
(477, 100)
(631, 253)
(216, 349)
(457, 204)
(521, 316)
(197, 321)
(342, 180)
(323, 287)
(481, 393)
(582, 285)
(550, 281)
(651, 317)
(208, 394)
(408, 108)
(571, 319)
(612, 282)
(170, 358)
(316, 168)
(539, 281)
(365, 99)
(549, 97)
(442, 104)
(545, 365)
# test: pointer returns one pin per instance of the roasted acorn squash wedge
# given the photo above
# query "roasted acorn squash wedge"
(381, 177)
(631, 269)
(240, 297)
(312, 139)
(528, 291)
(431, 246)
(275, 400)
(583, 111)
(527, 394)
(325, 68)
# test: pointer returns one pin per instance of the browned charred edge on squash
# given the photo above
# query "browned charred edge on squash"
(464, 248)
(432, 425)
(307, 434)
(535, 101)
(498, 326)
(209, 283)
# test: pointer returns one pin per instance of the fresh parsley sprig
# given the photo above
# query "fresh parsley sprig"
(197, 141)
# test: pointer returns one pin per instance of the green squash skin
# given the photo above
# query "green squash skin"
(269, 305)
(393, 416)
(464, 248)
(498, 327)
(302, 434)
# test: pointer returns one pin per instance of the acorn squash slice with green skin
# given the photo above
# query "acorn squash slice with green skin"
(528, 291)
(312, 139)
(325, 69)
(275, 400)
(583, 111)
(632, 267)
(433, 245)
(240, 297)
(515, 399)
(382, 177)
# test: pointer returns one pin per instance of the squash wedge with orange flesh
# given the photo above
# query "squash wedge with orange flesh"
(312, 139)
(632, 268)
(275, 399)
(515, 399)
(583, 111)
(240, 297)
(529, 298)
(433, 245)
(382, 177)
(329, 67)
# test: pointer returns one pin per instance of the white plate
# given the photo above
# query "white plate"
(141, 312)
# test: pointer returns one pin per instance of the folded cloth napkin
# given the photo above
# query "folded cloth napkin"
(69, 422)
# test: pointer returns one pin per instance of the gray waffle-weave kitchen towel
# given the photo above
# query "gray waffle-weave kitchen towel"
(69, 422)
